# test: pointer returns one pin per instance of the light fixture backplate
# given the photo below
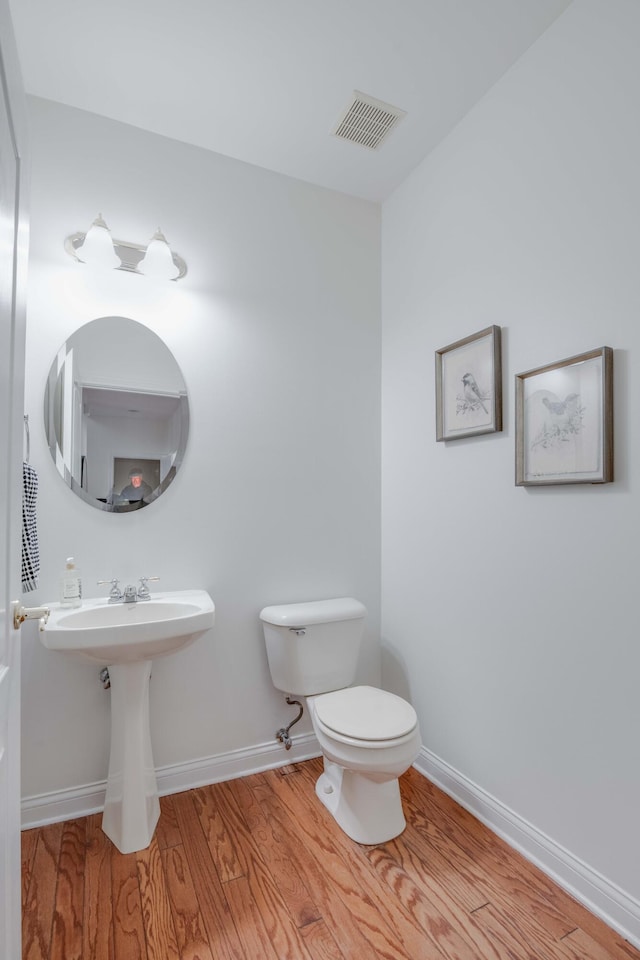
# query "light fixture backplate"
(129, 254)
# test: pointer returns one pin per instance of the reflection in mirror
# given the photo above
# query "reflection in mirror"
(116, 414)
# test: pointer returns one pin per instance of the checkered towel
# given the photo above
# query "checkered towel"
(30, 551)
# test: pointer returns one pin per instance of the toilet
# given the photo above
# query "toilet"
(368, 737)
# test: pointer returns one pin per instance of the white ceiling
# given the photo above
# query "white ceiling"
(265, 81)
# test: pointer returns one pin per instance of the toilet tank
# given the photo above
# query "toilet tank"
(313, 647)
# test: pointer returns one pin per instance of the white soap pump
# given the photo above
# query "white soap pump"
(70, 585)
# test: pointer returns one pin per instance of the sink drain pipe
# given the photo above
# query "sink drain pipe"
(283, 733)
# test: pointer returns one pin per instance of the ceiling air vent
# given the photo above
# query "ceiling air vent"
(367, 121)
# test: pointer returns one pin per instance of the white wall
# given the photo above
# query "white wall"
(513, 611)
(276, 329)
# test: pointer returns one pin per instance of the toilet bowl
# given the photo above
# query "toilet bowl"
(368, 737)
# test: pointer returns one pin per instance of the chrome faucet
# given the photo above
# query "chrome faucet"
(129, 594)
(143, 589)
(115, 594)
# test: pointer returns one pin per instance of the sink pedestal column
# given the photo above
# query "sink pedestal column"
(131, 807)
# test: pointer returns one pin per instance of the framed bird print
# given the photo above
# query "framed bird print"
(469, 386)
(564, 421)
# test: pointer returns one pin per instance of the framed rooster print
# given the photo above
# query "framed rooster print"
(469, 386)
(564, 421)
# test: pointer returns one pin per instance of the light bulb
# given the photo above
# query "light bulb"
(158, 259)
(97, 248)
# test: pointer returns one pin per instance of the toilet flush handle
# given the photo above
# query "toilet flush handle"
(299, 631)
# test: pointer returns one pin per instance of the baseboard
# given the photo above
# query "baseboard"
(89, 798)
(599, 895)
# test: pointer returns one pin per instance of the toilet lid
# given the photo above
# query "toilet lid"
(366, 713)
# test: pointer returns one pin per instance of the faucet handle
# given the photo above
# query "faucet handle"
(143, 589)
(115, 594)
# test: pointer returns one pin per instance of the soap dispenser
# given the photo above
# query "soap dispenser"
(70, 585)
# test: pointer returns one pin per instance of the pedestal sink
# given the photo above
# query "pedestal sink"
(126, 637)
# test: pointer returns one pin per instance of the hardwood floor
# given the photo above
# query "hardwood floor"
(256, 869)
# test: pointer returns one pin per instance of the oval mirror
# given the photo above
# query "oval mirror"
(116, 414)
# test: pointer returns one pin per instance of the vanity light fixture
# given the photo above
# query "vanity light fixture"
(98, 247)
(159, 261)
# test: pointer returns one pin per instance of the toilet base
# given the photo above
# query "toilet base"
(367, 811)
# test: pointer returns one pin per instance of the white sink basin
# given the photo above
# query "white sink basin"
(116, 633)
(126, 637)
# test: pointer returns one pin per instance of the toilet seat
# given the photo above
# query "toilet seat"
(365, 714)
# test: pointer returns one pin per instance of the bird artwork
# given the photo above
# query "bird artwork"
(472, 396)
(562, 408)
(562, 421)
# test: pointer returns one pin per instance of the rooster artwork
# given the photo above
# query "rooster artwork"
(564, 421)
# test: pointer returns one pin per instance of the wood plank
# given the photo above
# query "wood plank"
(579, 944)
(98, 914)
(321, 943)
(189, 925)
(503, 928)
(256, 944)
(167, 830)
(445, 864)
(128, 929)
(37, 917)
(262, 890)
(598, 931)
(28, 843)
(437, 857)
(156, 909)
(214, 908)
(298, 901)
(68, 913)
(221, 842)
